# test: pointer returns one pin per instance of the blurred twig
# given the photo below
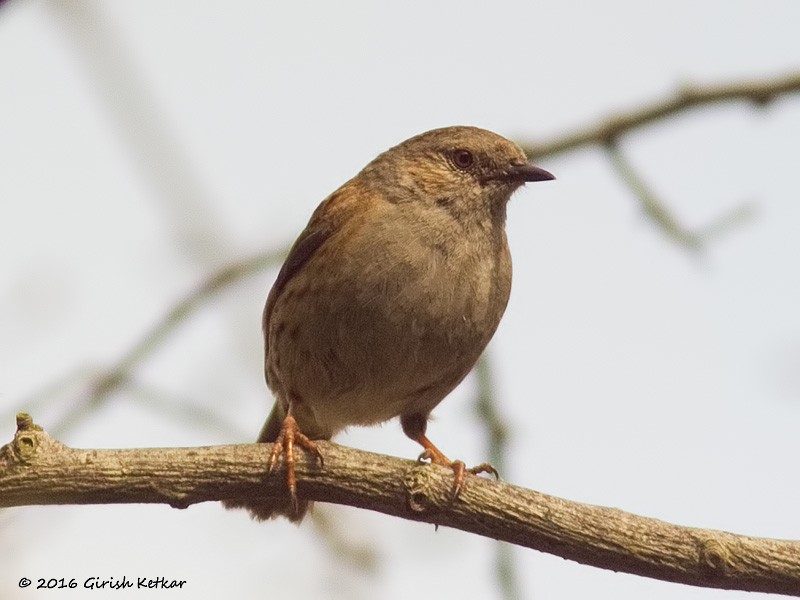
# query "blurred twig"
(497, 433)
(658, 212)
(652, 206)
(146, 132)
(362, 557)
(757, 91)
(116, 375)
(496, 428)
(608, 133)
(182, 410)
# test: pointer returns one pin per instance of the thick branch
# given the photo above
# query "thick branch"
(36, 469)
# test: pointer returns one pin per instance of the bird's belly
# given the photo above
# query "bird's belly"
(393, 342)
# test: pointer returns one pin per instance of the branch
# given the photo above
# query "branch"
(608, 132)
(757, 91)
(36, 469)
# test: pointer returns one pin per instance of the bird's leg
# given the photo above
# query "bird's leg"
(414, 427)
(290, 435)
(435, 455)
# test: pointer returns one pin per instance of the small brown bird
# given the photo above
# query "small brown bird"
(390, 295)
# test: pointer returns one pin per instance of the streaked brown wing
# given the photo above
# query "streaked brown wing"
(325, 221)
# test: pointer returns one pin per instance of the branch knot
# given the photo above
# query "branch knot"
(421, 490)
(715, 556)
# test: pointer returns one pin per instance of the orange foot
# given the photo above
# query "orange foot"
(290, 435)
(433, 454)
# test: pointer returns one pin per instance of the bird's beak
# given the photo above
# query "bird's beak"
(529, 172)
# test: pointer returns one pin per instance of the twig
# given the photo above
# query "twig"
(487, 411)
(186, 203)
(652, 207)
(36, 469)
(497, 431)
(110, 380)
(183, 411)
(657, 210)
(360, 556)
(757, 91)
(608, 132)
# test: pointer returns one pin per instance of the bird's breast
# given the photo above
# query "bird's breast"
(387, 318)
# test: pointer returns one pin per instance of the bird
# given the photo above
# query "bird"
(389, 296)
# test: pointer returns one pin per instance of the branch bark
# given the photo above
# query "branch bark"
(37, 469)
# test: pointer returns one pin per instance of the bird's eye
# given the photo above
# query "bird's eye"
(463, 159)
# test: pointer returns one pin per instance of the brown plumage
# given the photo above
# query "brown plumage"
(390, 294)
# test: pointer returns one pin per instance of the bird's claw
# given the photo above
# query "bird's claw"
(459, 469)
(289, 436)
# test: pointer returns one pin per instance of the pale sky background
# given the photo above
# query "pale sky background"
(633, 374)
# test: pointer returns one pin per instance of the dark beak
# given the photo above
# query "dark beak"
(529, 172)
